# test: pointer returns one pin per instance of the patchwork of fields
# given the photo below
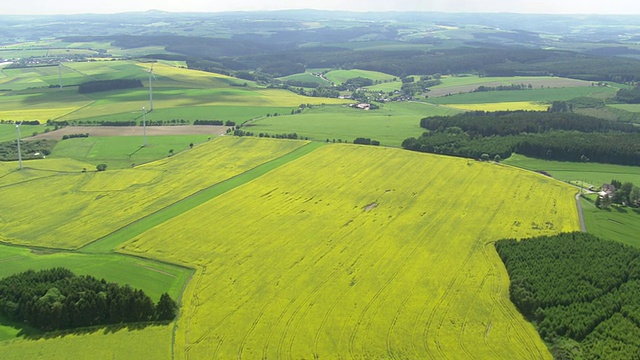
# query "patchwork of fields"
(312, 250)
(360, 251)
(75, 208)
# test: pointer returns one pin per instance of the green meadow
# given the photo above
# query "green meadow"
(120, 152)
(305, 77)
(151, 276)
(8, 132)
(538, 95)
(340, 76)
(614, 223)
(390, 124)
(595, 174)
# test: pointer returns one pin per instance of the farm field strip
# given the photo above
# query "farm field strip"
(615, 223)
(340, 76)
(390, 124)
(501, 106)
(533, 95)
(344, 252)
(96, 212)
(465, 84)
(595, 174)
(113, 240)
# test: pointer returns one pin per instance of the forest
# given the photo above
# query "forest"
(562, 136)
(577, 286)
(57, 299)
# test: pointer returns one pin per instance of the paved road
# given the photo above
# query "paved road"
(583, 227)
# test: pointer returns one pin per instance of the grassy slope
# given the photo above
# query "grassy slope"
(8, 131)
(615, 223)
(176, 89)
(153, 277)
(340, 76)
(538, 95)
(591, 173)
(119, 152)
(98, 203)
(390, 125)
(409, 277)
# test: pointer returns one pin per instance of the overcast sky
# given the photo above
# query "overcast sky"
(518, 6)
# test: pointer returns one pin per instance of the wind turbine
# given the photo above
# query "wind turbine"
(151, 88)
(144, 126)
(19, 152)
(60, 75)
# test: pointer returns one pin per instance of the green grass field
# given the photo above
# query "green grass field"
(151, 276)
(305, 77)
(8, 132)
(537, 95)
(388, 255)
(120, 152)
(390, 124)
(591, 173)
(615, 223)
(627, 107)
(340, 76)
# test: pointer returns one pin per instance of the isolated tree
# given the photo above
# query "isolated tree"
(101, 167)
(191, 145)
(166, 308)
(484, 157)
(497, 158)
(171, 152)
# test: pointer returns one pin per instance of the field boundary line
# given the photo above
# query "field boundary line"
(109, 242)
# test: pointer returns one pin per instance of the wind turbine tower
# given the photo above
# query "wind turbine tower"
(19, 152)
(151, 77)
(144, 126)
(60, 75)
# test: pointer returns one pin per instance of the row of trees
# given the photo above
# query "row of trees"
(547, 135)
(73, 136)
(484, 88)
(215, 122)
(502, 123)
(578, 286)
(366, 141)
(57, 299)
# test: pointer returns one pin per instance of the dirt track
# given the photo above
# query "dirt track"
(131, 131)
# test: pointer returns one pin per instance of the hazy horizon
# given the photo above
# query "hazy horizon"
(572, 7)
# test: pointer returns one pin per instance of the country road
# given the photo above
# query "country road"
(583, 226)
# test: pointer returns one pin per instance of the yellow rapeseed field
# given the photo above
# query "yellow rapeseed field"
(68, 210)
(360, 252)
(501, 106)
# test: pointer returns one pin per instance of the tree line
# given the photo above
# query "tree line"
(214, 122)
(561, 136)
(57, 299)
(577, 286)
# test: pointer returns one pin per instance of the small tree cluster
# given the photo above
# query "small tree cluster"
(57, 299)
